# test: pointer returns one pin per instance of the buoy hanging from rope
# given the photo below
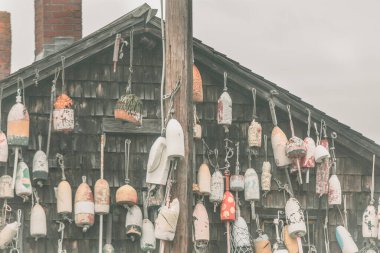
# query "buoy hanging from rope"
(63, 114)
(201, 234)
(3, 137)
(6, 190)
(197, 85)
(262, 243)
(217, 184)
(133, 223)
(279, 246)
(227, 209)
(148, 240)
(224, 117)
(204, 176)
(370, 219)
(241, 238)
(266, 176)
(295, 218)
(158, 163)
(322, 174)
(237, 180)
(254, 129)
(251, 186)
(84, 206)
(197, 128)
(308, 161)
(63, 192)
(345, 241)
(126, 194)
(129, 106)
(9, 232)
(334, 196)
(108, 248)
(175, 142)
(23, 184)
(295, 147)
(321, 151)
(38, 228)
(166, 222)
(278, 140)
(18, 126)
(40, 165)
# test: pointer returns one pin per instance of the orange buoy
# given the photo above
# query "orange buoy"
(126, 194)
(63, 192)
(84, 206)
(102, 188)
(197, 85)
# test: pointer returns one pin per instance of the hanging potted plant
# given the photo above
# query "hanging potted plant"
(128, 107)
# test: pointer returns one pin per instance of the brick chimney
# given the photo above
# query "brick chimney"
(58, 23)
(5, 44)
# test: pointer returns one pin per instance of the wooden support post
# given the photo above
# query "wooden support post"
(179, 49)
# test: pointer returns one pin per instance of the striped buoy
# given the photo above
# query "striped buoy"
(40, 165)
(133, 223)
(23, 184)
(84, 206)
(345, 241)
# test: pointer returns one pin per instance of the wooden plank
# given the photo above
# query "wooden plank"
(149, 126)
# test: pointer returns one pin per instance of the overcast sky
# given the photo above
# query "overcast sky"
(326, 52)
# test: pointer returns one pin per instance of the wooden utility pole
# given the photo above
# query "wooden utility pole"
(179, 49)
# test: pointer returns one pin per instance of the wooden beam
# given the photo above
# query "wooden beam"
(179, 49)
(149, 126)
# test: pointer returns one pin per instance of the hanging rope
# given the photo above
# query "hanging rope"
(273, 111)
(308, 122)
(61, 229)
(171, 101)
(373, 180)
(229, 154)
(163, 68)
(63, 74)
(254, 102)
(129, 87)
(52, 97)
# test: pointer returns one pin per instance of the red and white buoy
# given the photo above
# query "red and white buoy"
(322, 156)
(225, 107)
(279, 140)
(228, 210)
(84, 206)
(255, 128)
(334, 196)
(63, 192)
(345, 241)
(295, 218)
(40, 165)
(126, 194)
(308, 161)
(370, 219)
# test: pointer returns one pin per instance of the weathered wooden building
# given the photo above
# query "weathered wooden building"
(95, 88)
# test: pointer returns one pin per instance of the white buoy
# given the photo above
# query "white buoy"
(175, 142)
(38, 228)
(166, 222)
(201, 234)
(133, 223)
(6, 190)
(295, 218)
(241, 238)
(251, 186)
(158, 163)
(224, 116)
(8, 233)
(40, 165)
(23, 185)
(345, 241)
(148, 240)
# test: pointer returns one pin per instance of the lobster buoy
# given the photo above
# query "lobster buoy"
(63, 192)
(18, 123)
(345, 241)
(262, 244)
(126, 194)
(251, 189)
(133, 223)
(321, 153)
(228, 210)
(175, 142)
(266, 177)
(201, 236)
(3, 147)
(225, 106)
(295, 148)
(23, 184)
(166, 222)
(197, 85)
(335, 191)
(370, 222)
(237, 180)
(6, 191)
(84, 206)
(102, 197)
(38, 228)
(40, 165)
(254, 134)
(148, 240)
(308, 161)
(63, 114)
(204, 179)
(8, 233)
(240, 233)
(279, 141)
(158, 163)
(295, 218)
(290, 242)
(217, 188)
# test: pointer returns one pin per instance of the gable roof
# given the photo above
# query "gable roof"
(143, 21)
